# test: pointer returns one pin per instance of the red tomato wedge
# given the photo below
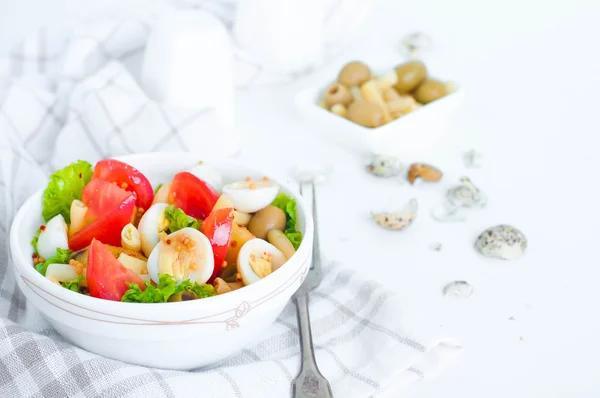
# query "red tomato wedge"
(110, 208)
(195, 197)
(217, 228)
(106, 277)
(128, 178)
(101, 197)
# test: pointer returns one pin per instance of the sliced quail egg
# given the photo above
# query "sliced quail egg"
(250, 196)
(153, 222)
(53, 236)
(184, 254)
(208, 174)
(257, 259)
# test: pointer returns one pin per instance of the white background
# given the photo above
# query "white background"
(531, 71)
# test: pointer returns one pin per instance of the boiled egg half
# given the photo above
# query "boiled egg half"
(257, 259)
(53, 236)
(151, 224)
(184, 254)
(208, 174)
(250, 196)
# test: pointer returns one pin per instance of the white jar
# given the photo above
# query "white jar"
(189, 63)
(281, 36)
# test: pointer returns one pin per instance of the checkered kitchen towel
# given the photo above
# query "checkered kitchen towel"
(75, 92)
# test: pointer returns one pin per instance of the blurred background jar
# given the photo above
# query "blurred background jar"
(189, 63)
(283, 36)
(293, 37)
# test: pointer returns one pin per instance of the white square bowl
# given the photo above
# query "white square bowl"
(409, 135)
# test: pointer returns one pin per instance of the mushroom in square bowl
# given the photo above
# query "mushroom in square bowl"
(394, 111)
(159, 260)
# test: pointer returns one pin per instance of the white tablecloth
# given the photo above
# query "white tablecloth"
(530, 72)
(79, 101)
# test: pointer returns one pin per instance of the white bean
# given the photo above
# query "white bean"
(280, 241)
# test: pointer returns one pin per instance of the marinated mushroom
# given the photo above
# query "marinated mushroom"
(339, 110)
(372, 100)
(410, 75)
(429, 91)
(366, 113)
(354, 74)
(264, 220)
(183, 296)
(337, 94)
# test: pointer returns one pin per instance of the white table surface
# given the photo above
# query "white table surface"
(531, 73)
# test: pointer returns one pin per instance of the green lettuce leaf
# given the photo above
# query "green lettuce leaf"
(64, 187)
(294, 236)
(281, 201)
(34, 241)
(179, 220)
(159, 294)
(288, 205)
(62, 256)
(74, 285)
(166, 288)
(201, 290)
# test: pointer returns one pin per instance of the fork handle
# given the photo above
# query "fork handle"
(305, 334)
(309, 383)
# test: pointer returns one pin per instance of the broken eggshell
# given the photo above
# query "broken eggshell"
(465, 195)
(472, 159)
(424, 171)
(416, 42)
(458, 289)
(447, 213)
(385, 166)
(399, 220)
(435, 246)
(502, 241)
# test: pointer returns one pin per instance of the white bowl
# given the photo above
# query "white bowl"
(182, 335)
(408, 135)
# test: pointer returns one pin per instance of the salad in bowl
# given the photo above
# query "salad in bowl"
(159, 260)
(108, 233)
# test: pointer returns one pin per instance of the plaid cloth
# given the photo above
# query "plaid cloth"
(76, 91)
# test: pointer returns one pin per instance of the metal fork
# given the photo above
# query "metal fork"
(309, 382)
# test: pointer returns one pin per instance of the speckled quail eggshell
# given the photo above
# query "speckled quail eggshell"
(385, 166)
(203, 257)
(243, 260)
(458, 289)
(397, 221)
(53, 237)
(148, 227)
(502, 241)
